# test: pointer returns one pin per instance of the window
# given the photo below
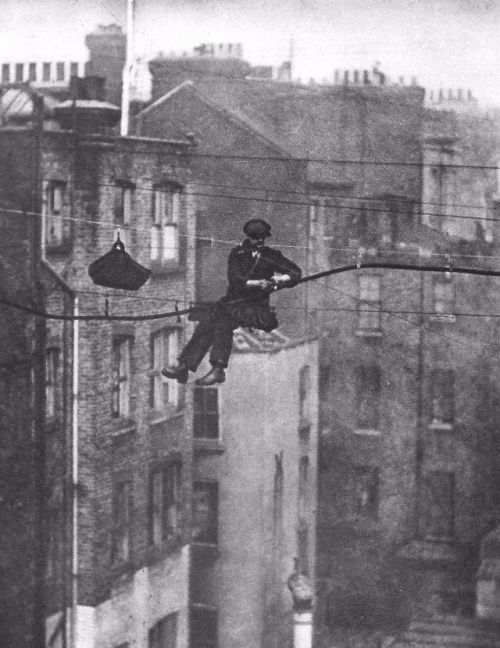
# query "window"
(164, 502)
(304, 393)
(121, 519)
(55, 197)
(444, 298)
(369, 303)
(32, 72)
(51, 378)
(5, 73)
(206, 413)
(205, 512)
(164, 350)
(368, 397)
(439, 505)
(121, 377)
(164, 633)
(366, 491)
(203, 627)
(442, 397)
(165, 229)
(313, 217)
(46, 72)
(60, 71)
(124, 196)
(330, 221)
(19, 71)
(73, 69)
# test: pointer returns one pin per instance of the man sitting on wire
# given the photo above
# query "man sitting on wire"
(254, 271)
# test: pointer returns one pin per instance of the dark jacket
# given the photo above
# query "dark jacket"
(242, 266)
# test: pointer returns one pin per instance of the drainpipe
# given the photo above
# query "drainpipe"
(74, 480)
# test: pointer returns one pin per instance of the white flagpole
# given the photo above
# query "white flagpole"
(129, 60)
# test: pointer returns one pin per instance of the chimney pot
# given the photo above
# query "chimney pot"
(366, 77)
(346, 77)
(356, 76)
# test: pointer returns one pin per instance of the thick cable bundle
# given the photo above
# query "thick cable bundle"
(117, 269)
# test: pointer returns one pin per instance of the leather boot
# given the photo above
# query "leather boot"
(214, 376)
(176, 372)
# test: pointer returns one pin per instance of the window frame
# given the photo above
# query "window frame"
(364, 392)
(370, 475)
(429, 519)
(5, 72)
(123, 208)
(121, 518)
(210, 641)
(442, 387)
(120, 396)
(209, 526)
(166, 218)
(369, 305)
(446, 313)
(52, 365)
(164, 502)
(55, 199)
(164, 348)
(206, 417)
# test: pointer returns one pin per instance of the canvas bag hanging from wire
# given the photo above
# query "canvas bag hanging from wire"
(117, 269)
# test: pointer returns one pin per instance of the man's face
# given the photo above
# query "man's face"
(257, 242)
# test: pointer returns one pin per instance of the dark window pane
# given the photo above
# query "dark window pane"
(19, 72)
(366, 491)
(60, 71)
(440, 505)
(442, 396)
(368, 396)
(206, 413)
(205, 512)
(203, 628)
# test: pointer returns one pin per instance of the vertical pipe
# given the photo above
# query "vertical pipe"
(124, 126)
(74, 480)
(39, 454)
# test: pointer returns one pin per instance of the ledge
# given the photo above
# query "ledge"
(441, 427)
(209, 446)
(122, 427)
(369, 333)
(443, 317)
(367, 432)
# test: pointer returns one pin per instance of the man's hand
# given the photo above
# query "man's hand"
(263, 284)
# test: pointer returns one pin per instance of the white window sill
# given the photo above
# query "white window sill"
(366, 432)
(369, 333)
(443, 317)
(156, 416)
(439, 425)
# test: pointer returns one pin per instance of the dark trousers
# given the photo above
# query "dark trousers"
(214, 333)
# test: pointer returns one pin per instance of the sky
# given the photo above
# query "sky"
(444, 43)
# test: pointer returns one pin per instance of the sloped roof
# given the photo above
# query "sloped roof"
(303, 121)
(251, 340)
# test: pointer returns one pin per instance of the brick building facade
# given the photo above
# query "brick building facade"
(134, 452)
